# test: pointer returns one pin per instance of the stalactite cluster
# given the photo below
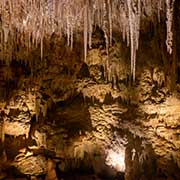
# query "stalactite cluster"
(28, 22)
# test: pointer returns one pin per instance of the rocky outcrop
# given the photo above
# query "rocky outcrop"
(152, 87)
(74, 116)
(17, 117)
(162, 130)
(29, 164)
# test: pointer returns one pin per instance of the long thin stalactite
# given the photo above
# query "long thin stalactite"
(28, 22)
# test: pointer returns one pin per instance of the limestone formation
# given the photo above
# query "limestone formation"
(89, 89)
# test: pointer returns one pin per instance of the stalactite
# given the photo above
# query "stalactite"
(68, 31)
(127, 35)
(34, 19)
(41, 44)
(41, 29)
(99, 18)
(71, 37)
(110, 22)
(159, 10)
(90, 25)
(169, 22)
(105, 25)
(53, 14)
(134, 9)
(85, 31)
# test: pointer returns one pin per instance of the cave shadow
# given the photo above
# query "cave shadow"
(72, 115)
(11, 76)
(13, 144)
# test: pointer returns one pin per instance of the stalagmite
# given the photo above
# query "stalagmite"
(2, 130)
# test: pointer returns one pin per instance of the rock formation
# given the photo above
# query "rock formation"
(81, 98)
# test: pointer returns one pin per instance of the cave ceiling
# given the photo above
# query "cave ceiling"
(28, 23)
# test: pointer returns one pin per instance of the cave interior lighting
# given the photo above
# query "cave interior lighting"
(116, 160)
(31, 22)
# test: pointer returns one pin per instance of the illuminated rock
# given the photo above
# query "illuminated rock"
(31, 165)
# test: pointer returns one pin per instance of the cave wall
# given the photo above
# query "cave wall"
(63, 115)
